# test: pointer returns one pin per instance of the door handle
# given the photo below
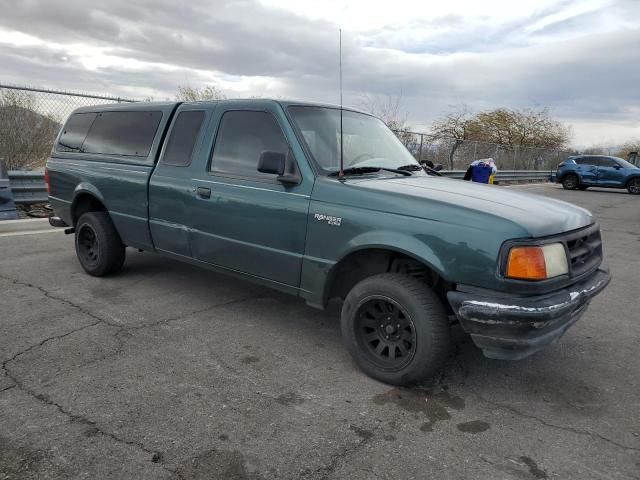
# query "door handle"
(203, 192)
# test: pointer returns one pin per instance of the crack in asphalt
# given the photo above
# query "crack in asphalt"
(326, 471)
(458, 360)
(577, 431)
(123, 329)
(75, 418)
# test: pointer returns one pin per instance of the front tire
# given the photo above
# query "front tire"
(570, 182)
(396, 329)
(98, 245)
(633, 187)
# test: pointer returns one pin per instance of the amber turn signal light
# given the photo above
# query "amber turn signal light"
(526, 263)
(537, 262)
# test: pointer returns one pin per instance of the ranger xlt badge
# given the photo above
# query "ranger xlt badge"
(335, 221)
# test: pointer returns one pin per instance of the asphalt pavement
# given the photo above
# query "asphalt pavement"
(169, 371)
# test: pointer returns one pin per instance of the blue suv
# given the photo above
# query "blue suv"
(583, 171)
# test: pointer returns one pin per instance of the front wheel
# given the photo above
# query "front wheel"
(395, 328)
(570, 182)
(634, 186)
(98, 245)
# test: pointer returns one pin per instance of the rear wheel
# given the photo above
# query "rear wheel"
(634, 186)
(395, 328)
(570, 182)
(98, 245)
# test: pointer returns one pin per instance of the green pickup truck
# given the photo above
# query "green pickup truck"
(255, 188)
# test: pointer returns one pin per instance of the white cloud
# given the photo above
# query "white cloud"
(578, 57)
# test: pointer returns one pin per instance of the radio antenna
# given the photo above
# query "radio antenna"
(341, 173)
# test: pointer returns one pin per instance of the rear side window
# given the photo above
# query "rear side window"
(75, 131)
(122, 133)
(584, 161)
(242, 137)
(183, 138)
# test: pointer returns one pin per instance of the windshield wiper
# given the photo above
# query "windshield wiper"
(413, 166)
(361, 170)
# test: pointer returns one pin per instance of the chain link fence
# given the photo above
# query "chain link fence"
(30, 119)
(458, 154)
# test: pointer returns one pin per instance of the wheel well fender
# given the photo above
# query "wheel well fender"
(571, 172)
(409, 256)
(86, 198)
(632, 177)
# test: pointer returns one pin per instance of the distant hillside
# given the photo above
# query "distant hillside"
(26, 136)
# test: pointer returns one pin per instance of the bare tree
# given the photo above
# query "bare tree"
(509, 129)
(456, 126)
(389, 110)
(26, 136)
(187, 93)
(632, 145)
(523, 128)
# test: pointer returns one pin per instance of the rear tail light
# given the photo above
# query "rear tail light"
(46, 181)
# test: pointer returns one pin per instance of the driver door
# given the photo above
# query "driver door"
(610, 173)
(242, 219)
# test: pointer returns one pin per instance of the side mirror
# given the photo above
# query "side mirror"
(272, 162)
(275, 163)
(617, 167)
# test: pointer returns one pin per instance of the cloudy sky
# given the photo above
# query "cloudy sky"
(581, 58)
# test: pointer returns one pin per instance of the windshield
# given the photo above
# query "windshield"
(367, 142)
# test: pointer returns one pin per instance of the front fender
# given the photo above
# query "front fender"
(398, 242)
(446, 253)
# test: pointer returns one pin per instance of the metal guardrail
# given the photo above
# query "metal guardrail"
(28, 187)
(507, 175)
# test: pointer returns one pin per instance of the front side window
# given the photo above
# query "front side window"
(183, 138)
(607, 162)
(366, 141)
(75, 131)
(623, 163)
(242, 137)
(122, 133)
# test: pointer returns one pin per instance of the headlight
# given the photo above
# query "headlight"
(537, 263)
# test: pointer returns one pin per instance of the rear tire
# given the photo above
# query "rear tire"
(396, 329)
(98, 245)
(570, 182)
(633, 186)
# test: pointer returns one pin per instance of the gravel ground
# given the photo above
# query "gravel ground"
(169, 371)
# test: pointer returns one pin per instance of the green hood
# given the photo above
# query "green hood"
(439, 198)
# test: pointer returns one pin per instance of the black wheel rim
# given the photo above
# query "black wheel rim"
(385, 333)
(88, 246)
(570, 182)
(634, 186)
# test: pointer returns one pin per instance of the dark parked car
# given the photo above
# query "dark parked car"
(585, 171)
(254, 188)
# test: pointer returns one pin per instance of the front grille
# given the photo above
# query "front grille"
(585, 250)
